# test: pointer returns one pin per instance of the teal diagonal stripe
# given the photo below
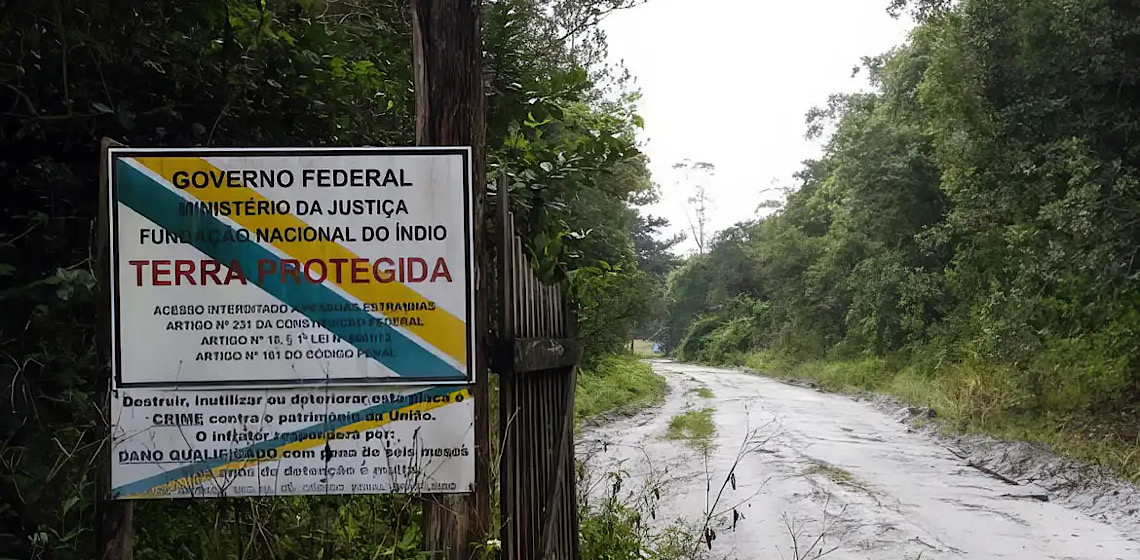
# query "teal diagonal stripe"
(159, 204)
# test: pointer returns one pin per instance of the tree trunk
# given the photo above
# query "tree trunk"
(113, 518)
(447, 59)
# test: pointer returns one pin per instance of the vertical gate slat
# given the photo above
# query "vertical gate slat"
(527, 465)
(514, 280)
(563, 509)
(520, 266)
(506, 305)
(537, 473)
(548, 435)
(517, 473)
(571, 521)
(541, 452)
(530, 301)
(535, 490)
(527, 297)
(540, 315)
(524, 312)
(520, 292)
(538, 309)
(552, 299)
(546, 305)
(530, 309)
(535, 417)
(552, 455)
(545, 317)
(524, 469)
(535, 317)
(520, 465)
(550, 311)
(517, 281)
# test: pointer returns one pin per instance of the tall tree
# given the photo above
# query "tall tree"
(654, 251)
(696, 176)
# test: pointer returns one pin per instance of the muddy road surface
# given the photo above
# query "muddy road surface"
(824, 475)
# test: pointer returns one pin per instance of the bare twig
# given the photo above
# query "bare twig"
(747, 447)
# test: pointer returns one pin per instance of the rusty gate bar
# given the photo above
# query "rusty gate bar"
(536, 358)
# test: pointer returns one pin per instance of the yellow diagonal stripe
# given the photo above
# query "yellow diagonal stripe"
(440, 328)
(363, 426)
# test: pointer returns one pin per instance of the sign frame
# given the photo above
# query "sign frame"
(400, 403)
(113, 201)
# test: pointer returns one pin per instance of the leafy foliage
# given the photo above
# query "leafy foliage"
(294, 73)
(975, 216)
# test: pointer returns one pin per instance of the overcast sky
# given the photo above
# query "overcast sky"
(729, 82)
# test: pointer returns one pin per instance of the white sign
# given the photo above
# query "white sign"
(291, 321)
(195, 443)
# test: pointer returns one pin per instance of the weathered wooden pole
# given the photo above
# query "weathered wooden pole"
(448, 64)
(114, 534)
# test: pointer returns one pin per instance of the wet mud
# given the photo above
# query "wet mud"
(798, 473)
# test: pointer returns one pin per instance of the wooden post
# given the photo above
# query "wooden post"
(448, 67)
(113, 518)
(504, 367)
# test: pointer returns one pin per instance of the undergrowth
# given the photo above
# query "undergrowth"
(969, 397)
(617, 529)
(621, 384)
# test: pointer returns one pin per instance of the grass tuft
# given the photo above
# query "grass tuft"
(831, 472)
(696, 427)
(702, 392)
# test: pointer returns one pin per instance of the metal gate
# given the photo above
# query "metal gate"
(536, 362)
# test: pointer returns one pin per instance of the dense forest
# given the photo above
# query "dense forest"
(968, 238)
(560, 124)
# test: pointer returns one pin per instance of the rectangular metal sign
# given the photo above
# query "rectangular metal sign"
(291, 321)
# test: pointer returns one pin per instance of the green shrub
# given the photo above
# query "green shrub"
(727, 343)
(694, 339)
(616, 383)
(1082, 374)
(979, 395)
(618, 526)
(612, 532)
(344, 527)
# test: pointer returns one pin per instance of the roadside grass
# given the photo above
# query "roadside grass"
(621, 384)
(696, 427)
(831, 472)
(612, 526)
(969, 397)
(702, 392)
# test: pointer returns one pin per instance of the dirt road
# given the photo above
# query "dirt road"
(817, 472)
